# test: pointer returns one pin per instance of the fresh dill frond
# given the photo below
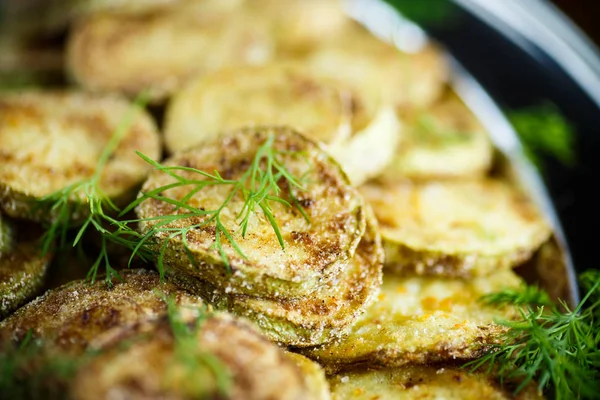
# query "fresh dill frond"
(260, 185)
(522, 296)
(544, 132)
(554, 345)
(84, 204)
(189, 354)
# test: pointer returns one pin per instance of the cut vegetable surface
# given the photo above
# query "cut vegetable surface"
(233, 98)
(276, 211)
(423, 383)
(71, 316)
(315, 318)
(225, 358)
(455, 228)
(443, 141)
(22, 268)
(420, 320)
(198, 36)
(50, 140)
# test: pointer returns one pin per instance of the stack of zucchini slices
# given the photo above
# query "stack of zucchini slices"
(304, 284)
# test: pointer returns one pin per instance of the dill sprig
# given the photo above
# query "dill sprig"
(189, 354)
(260, 185)
(84, 204)
(544, 132)
(555, 345)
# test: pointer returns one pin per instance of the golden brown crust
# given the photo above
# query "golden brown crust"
(49, 140)
(274, 94)
(22, 271)
(420, 320)
(313, 252)
(318, 317)
(148, 365)
(361, 60)
(313, 375)
(197, 36)
(443, 141)
(71, 316)
(424, 383)
(460, 228)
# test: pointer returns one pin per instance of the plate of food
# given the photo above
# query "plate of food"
(271, 199)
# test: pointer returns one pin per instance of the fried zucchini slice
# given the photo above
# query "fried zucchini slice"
(22, 269)
(74, 314)
(50, 140)
(197, 36)
(420, 320)
(275, 94)
(424, 383)
(298, 25)
(443, 141)
(358, 130)
(315, 318)
(314, 251)
(458, 229)
(314, 376)
(149, 365)
(361, 60)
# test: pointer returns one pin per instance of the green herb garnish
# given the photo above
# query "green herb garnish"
(555, 345)
(188, 354)
(544, 132)
(87, 198)
(260, 185)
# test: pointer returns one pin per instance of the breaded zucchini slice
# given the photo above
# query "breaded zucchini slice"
(143, 362)
(443, 141)
(361, 60)
(314, 376)
(22, 269)
(50, 140)
(299, 25)
(126, 52)
(318, 317)
(315, 249)
(424, 382)
(459, 229)
(74, 314)
(420, 320)
(359, 130)
(274, 94)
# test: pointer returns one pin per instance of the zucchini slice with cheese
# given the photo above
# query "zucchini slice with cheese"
(317, 244)
(50, 140)
(424, 383)
(22, 268)
(147, 361)
(275, 94)
(444, 141)
(318, 317)
(459, 228)
(124, 52)
(73, 315)
(358, 129)
(364, 62)
(420, 320)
